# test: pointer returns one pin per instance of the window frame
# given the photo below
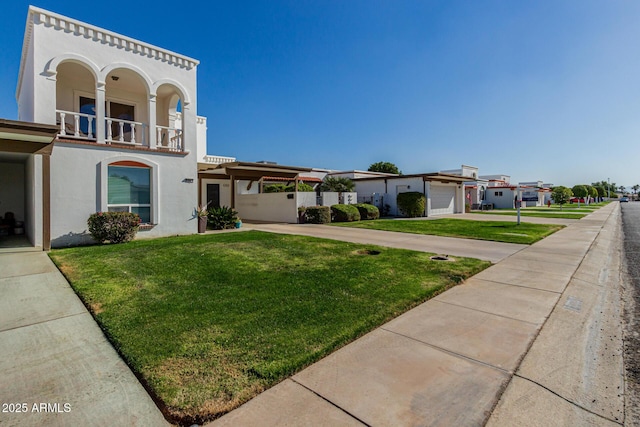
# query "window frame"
(153, 182)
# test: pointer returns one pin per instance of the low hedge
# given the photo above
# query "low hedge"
(367, 211)
(113, 227)
(281, 188)
(411, 204)
(317, 214)
(344, 213)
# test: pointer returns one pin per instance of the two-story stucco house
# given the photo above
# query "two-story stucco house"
(129, 137)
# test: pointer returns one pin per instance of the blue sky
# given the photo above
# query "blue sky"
(543, 90)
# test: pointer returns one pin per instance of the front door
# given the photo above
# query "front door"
(213, 195)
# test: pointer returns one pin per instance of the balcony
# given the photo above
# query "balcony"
(82, 126)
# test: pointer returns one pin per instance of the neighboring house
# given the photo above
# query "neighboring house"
(129, 136)
(474, 188)
(444, 192)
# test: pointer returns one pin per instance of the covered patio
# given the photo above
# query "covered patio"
(25, 186)
(239, 185)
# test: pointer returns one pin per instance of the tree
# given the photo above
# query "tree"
(384, 167)
(622, 188)
(579, 191)
(337, 184)
(561, 195)
(600, 190)
(635, 189)
(593, 192)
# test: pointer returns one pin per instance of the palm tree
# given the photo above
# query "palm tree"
(622, 188)
(635, 189)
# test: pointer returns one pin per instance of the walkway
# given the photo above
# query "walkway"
(53, 353)
(448, 361)
(480, 249)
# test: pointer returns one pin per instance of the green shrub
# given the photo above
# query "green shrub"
(411, 204)
(221, 218)
(274, 188)
(113, 227)
(344, 213)
(318, 215)
(281, 188)
(367, 211)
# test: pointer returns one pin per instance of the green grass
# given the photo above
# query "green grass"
(499, 231)
(210, 321)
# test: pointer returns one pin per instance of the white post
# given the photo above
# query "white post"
(90, 122)
(518, 202)
(76, 125)
(63, 131)
(101, 113)
(153, 135)
(109, 133)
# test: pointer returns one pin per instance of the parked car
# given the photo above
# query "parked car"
(624, 199)
(575, 200)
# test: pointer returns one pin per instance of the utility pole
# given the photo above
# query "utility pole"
(608, 188)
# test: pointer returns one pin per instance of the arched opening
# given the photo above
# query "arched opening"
(169, 129)
(126, 108)
(75, 101)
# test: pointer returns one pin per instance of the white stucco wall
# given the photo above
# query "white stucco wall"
(225, 190)
(77, 191)
(57, 39)
(275, 207)
(506, 201)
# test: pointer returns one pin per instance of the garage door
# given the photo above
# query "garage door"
(442, 199)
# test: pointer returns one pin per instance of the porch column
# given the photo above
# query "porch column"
(189, 129)
(46, 202)
(233, 192)
(152, 121)
(100, 113)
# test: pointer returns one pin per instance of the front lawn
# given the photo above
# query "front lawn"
(499, 231)
(210, 321)
(568, 214)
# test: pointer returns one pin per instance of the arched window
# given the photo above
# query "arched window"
(129, 189)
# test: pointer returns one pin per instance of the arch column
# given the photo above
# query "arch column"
(189, 126)
(100, 112)
(152, 121)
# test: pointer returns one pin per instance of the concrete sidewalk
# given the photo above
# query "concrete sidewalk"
(448, 361)
(480, 249)
(53, 353)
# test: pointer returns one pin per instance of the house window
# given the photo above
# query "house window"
(129, 189)
(498, 193)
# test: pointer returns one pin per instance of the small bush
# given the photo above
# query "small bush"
(344, 213)
(221, 218)
(367, 211)
(318, 215)
(113, 227)
(281, 188)
(274, 188)
(411, 204)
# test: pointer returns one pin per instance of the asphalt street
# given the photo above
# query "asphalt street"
(631, 230)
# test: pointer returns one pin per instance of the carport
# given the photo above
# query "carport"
(25, 150)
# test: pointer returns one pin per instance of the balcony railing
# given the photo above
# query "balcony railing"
(169, 138)
(83, 126)
(125, 132)
(76, 125)
(218, 159)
